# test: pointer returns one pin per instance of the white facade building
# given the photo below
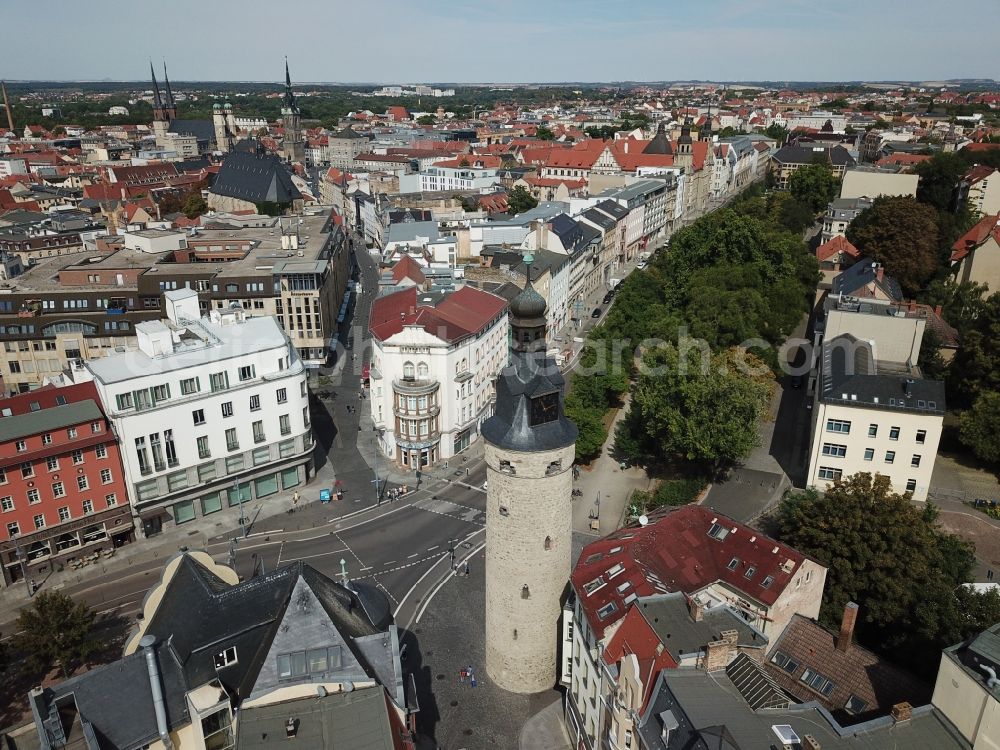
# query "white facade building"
(435, 360)
(206, 405)
(873, 411)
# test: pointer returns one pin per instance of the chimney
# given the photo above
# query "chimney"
(696, 610)
(156, 688)
(901, 712)
(913, 306)
(937, 310)
(847, 627)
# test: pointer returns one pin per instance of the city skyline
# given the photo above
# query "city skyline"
(759, 40)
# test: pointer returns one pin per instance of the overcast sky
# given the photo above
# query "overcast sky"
(405, 41)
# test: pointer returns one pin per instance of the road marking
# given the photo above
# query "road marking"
(348, 548)
(388, 562)
(410, 557)
(427, 573)
(448, 576)
(380, 585)
(431, 549)
(280, 550)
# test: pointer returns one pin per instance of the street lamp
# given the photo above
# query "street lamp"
(239, 499)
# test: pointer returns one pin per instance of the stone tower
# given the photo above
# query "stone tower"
(530, 447)
(685, 147)
(220, 124)
(292, 144)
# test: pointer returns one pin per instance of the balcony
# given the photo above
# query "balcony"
(415, 386)
(401, 410)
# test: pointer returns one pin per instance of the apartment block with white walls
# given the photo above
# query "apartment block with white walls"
(435, 360)
(210, 412)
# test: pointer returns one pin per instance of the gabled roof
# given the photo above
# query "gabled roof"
(855, 280)
(838, 246)
(855, 672)
(988, 226)
(461, 313)
(674, 552)
(408, 268)
(255, 177)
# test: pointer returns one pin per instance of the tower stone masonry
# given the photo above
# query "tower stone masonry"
(530, 446)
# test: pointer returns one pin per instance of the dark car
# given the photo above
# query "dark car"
(596, 313)
(608, 297)
(797, 381)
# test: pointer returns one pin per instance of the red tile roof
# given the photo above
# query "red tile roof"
(988, 226)
(855, 671)
(408, 268)
(675, 553)
(462, 313)
(835, 247)
(979, 173)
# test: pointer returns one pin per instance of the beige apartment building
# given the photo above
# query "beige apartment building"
(872, 409)
(967, 690)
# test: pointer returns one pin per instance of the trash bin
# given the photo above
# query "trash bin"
(324, 496)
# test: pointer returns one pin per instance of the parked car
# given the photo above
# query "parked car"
(596, 313)
(640, 265)
(608, 297)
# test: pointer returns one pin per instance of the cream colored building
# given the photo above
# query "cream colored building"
(967, 691)
(872, 410)
(984, 190)
(975, 256)
(871, 183)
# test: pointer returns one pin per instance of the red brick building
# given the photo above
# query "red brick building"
(62, 489)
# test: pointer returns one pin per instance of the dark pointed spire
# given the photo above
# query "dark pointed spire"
(157, 102)
(705, 134)
(289, 96)
(166, 81)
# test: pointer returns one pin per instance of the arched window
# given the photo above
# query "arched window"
(525, 593)
(422, 370)
(407, 369)
(548, 543)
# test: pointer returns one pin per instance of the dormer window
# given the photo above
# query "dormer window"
(224, 658)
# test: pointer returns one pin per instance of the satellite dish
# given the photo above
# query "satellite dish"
(643, 520)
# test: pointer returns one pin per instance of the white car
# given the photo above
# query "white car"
(640, 265)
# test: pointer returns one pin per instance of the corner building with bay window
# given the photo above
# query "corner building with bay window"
(209, 412)
(435, 360)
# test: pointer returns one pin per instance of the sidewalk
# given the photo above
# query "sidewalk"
(546, 730)
(340, 454)
(606, 487)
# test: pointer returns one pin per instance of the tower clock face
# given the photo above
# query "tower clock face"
(544, 408)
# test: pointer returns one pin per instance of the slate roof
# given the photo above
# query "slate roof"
(348, 133)
(91, 705)
(599, 218)
(199, 615)
(529, 375)
(255, 177)
(202, 130)
(46, 420)
(980, 650)
(613, 208)
(856, 672)
(674, 552)
(855, 280)
(670, 618)
(707, 712)
(851, 376)
(359, 720)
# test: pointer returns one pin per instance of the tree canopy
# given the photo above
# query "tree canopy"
(520, 200)
(702, 414)
(902, 235)
(815, 185)
(55, 631)
(894, 560)
(979, 427)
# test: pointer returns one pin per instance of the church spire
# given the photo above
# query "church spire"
(289, 96)
(157, 101)
(170, 95)
(705, 134)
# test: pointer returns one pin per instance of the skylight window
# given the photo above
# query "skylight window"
(614, 570)
(607, 610)
(750, 571)
(733, 563)
(768, 580)
(590, 588)
(717, 531)
(623, 587)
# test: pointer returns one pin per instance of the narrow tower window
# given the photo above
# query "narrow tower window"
(525, 593)
(548, 543)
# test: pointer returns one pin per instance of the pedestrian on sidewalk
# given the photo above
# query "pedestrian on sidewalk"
(989, 574)
(466, 569)
(295, 498)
